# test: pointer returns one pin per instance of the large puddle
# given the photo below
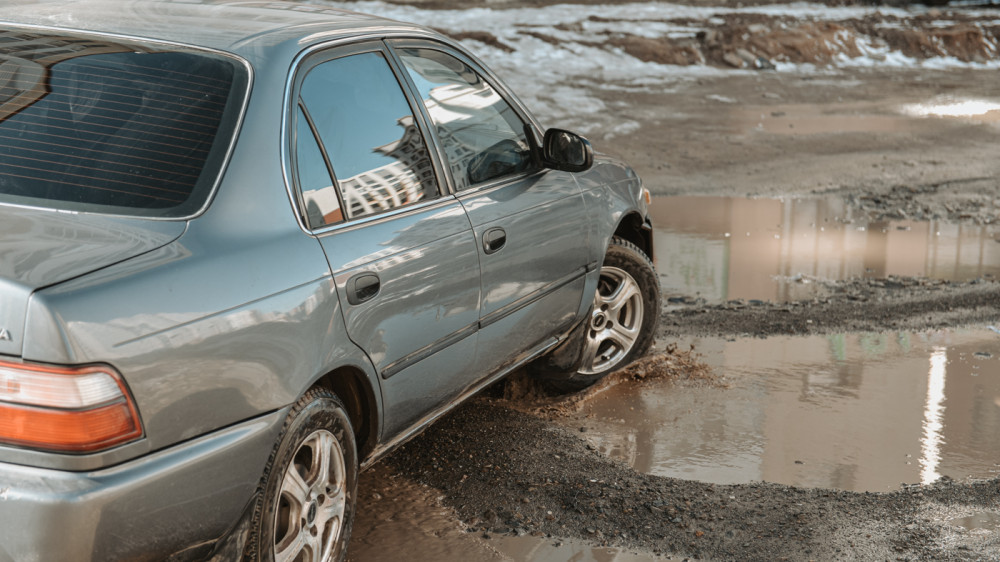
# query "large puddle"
(863, 412)
(721, 248)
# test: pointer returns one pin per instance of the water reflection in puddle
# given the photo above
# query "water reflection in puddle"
(862, 412)
(724, 248)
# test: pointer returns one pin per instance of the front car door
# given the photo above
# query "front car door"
(402, 252)
(530, 223)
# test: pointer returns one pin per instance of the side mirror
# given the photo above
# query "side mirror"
(566, 151)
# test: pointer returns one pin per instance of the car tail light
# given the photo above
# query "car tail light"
(73, 409)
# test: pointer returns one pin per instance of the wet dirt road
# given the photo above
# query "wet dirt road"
(844, 310)
(860, 411)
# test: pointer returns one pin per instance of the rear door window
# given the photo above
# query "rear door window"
(122, 128)
(355, 108)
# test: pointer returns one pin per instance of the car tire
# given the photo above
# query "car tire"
(307, 495)
(622, 322)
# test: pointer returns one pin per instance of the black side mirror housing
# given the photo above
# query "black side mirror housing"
(566, 151)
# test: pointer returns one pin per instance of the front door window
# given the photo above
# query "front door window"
(480, 133)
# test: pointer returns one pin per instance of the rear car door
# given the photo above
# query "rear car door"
(402, 254)
(530, 223)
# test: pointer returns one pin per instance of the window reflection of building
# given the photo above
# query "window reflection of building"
(470, 119)
(401, 182)
(25, 60)
(469, 114)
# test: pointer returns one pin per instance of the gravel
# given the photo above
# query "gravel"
(507, 472)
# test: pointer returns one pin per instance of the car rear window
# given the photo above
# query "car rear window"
(124, 128)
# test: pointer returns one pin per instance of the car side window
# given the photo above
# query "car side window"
(365, 127)
(319, 194)
(483, 138)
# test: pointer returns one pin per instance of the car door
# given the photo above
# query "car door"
(530, 223)
(402, 253)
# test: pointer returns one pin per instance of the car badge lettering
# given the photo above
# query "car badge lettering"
(5, 335)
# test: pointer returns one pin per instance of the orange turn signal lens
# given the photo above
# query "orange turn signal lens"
(63, 430)
(71, 409)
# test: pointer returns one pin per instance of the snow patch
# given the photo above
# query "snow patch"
(558, 49)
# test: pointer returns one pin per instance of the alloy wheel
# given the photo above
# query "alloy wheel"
(615, 321)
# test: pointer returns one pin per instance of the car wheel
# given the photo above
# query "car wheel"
(306, 503)
(623, 319)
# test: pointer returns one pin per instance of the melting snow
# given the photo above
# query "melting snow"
(555, 50)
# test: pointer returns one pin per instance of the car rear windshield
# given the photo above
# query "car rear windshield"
(113, 127)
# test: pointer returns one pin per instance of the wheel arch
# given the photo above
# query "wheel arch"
(637, 230)
(352, 386)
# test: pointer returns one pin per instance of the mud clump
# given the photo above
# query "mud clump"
(661, 50)
(672, 364)
(811, 42)
(525, 393)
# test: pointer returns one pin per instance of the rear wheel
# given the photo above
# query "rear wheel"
(623, 319)
(306, 505)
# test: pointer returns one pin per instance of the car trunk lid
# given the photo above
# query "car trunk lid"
(40, 248)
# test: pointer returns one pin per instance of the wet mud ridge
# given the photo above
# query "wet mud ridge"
(510, 473)
(861, 304)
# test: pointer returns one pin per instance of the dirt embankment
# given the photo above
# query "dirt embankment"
(758, 41)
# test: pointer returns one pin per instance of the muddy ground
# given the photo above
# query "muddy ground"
(902, 168)
(499, 471)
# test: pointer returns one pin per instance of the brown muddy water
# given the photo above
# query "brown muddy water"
(726, 248)
(400, 520)
(863, 412)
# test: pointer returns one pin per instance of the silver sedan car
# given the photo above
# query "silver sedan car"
(247, 248)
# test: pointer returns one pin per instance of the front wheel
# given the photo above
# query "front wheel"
(623, 319)
(307, 500)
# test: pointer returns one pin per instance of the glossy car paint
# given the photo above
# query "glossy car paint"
(220, 321)
(131, 511)
(426, 309)
(533, 286)
(41, 248)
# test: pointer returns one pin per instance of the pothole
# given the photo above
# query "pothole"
(862, 412)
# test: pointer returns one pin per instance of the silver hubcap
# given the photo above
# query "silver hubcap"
(312, 501)
(615, 321)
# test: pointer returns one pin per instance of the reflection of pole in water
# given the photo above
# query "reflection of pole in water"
(930, 449)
